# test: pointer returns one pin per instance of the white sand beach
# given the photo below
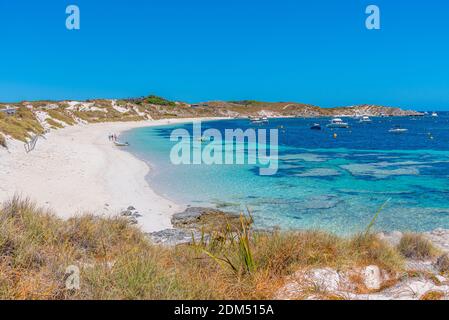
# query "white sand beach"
(77, 170)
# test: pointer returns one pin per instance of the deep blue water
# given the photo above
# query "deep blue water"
(335, 184)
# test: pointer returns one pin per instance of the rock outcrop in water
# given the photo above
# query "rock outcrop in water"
(203, 218)
(195, 223)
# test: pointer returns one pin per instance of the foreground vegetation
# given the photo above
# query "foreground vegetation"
(117, 261)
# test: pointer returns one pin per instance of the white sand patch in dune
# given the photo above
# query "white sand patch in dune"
(118, 108)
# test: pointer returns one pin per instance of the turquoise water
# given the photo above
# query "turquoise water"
(325, 183)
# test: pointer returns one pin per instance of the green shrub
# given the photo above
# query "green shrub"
(152, 99)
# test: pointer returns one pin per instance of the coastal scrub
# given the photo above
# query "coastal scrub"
(20, 126)
(117, 261)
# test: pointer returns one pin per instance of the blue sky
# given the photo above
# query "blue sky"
(315, 52)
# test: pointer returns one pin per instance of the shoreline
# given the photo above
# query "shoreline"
(76, 170)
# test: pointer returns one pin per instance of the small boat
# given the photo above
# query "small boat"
(121, 144)
(365, 119)
(337, 123)
(397, 129)
(434, 114)
(264, 119)
(316, 126)
(255, 120)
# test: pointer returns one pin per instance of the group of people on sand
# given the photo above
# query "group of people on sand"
(112, 137)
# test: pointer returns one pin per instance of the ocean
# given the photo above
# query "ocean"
(323, 182)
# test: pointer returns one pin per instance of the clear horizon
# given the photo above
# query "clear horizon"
(320, 53)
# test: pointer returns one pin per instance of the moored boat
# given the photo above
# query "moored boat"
(365, 119)
(255, 120)
(397, 129)
(337, 123)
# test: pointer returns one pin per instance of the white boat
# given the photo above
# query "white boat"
(434, 114)
(398, 129)
(255, 120)
(264, 119)
(121, 144)
(337, 123)
(365, 119)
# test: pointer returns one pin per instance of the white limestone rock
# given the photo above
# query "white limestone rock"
(372, 277)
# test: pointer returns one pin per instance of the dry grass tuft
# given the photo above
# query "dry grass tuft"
(442, 263)
(61, 115)
(368, 249)
(416, 246)
(432, 295)
(54, 124)
(3, 141)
